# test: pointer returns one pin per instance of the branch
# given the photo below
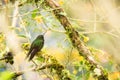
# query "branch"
(109, 33)
(60, 70)
(74, 37)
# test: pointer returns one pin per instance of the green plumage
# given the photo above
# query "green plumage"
(36, 46)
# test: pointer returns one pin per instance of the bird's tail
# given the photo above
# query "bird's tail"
(32, 54)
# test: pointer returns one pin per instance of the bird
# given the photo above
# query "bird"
(35, 47)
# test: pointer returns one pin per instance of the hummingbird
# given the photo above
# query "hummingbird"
(35, 47)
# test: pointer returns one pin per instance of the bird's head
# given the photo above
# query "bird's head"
(40, 36)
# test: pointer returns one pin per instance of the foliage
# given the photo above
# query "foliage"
(6, 75)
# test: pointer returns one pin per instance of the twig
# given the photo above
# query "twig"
(109, 33)
(87, 21)
(2, 59)
(23, 26)
(95, 15)
(31, 12)
(56, 30)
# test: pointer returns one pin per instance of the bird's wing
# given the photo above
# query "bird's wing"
(41, 44)
(31, 48)
(34, 51)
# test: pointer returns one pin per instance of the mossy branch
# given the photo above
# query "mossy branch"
(74, 37)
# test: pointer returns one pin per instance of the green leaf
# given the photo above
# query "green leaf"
(34, 13)
(6, 75)
(41, 59)
(87, 75)
(21, 35)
